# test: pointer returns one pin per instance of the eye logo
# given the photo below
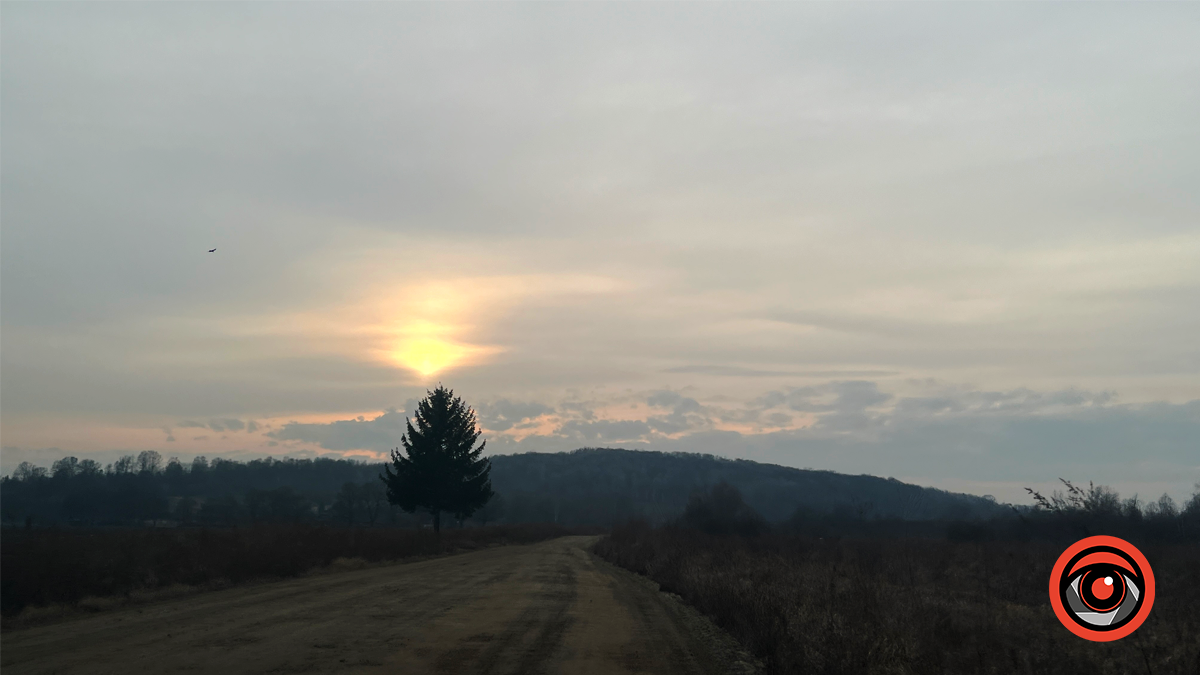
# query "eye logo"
(1102, 588)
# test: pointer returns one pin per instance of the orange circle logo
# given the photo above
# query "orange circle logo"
(1102, 588)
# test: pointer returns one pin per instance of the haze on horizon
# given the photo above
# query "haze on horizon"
(953, 244)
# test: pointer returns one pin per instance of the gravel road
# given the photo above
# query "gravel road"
(550, 607)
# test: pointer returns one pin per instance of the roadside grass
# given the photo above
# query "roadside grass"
(865, 606)
(48, 575)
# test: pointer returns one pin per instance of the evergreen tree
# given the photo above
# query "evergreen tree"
(443, 470)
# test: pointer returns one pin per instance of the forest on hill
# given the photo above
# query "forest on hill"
(599, 485)
(589, 486)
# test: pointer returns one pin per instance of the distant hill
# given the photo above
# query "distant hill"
(590, 486)
(601, 485)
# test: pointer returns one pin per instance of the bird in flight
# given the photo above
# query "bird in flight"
(212, 250)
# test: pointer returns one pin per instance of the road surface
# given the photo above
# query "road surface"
(551, 607)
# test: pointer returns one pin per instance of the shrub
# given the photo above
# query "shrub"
(721, 510)
(65, 566)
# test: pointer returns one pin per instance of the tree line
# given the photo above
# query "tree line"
(443, 473)
(589, 486)
(141, 488)
(440, 471)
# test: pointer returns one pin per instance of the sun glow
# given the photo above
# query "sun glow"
(428, 328)
(428, 347)
(431, 355)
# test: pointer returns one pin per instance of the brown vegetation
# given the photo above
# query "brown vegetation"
(547, 607)
(861, 606)
(95, 568)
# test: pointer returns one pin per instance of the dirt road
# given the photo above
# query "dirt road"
(544, 608)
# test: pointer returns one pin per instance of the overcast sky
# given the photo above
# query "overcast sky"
(957, 244)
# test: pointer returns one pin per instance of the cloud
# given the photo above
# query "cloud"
(603, 431)
(685, 214)
(219, 425)
(994, 441)
(378, 434)
(1018, 401)
(687, 414)
(840, 406)
(738, 371)
(957, 438)
(842, 397)
(227, 424)
(842, 425)
(504, 414)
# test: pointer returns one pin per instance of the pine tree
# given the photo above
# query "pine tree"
(440, 469)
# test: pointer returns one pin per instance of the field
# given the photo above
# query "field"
(47, 572)
(906, 605)
(547, 607)
(813, 595)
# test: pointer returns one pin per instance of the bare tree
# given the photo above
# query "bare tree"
(65, 468)
(373, 496)
(186, 510)
(26, 471)
(149, 461)
(89, 467)
(346, 504)
(492, 511)
(123, 465)
(1165, 507)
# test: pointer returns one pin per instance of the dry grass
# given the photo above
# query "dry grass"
(52, 574)
(806, 605)
(347, 564)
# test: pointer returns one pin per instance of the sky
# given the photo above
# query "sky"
(955, 244)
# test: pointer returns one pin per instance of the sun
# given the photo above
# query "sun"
(427, 330)
(430, 355)
(428, 348)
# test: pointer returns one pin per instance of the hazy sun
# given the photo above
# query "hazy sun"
(430, 355)
(428, 347)
(430, 328)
